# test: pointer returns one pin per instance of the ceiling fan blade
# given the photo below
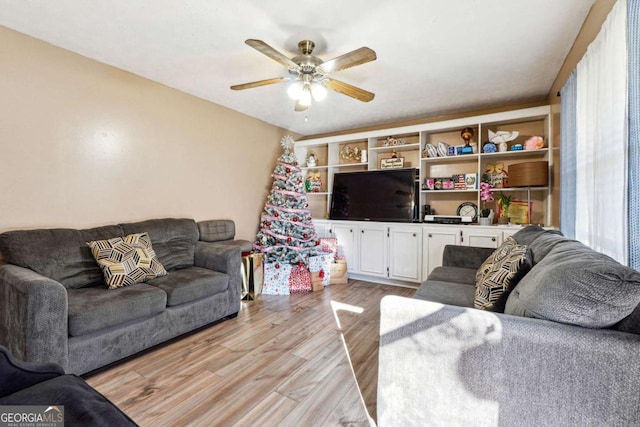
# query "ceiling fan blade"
(260, 83)
(349, 90)
(300, 107)
(348, 60)
(265, 49)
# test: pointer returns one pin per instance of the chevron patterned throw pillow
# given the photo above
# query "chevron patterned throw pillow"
(127, 260)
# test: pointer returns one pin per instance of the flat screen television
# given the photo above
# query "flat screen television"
(383, 195)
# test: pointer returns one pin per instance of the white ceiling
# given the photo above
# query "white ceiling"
(434, 56)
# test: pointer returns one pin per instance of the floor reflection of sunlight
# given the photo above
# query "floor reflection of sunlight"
(337, 306)
(340, 306)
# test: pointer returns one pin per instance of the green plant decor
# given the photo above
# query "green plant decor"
(505, 202)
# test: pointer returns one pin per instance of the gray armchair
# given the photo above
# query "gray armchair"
(47, 385)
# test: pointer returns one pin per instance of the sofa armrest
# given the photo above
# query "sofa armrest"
(465, 256)
(447, 365)
(33, 316)
(16, 375)
(225, 259)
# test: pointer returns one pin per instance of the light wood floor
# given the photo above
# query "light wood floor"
(281, 362)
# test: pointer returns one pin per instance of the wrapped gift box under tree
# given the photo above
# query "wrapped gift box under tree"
(338, 275)
(320, 268)
(252, 275)
(276, 279)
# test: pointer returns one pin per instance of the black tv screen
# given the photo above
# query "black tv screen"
(383, 195)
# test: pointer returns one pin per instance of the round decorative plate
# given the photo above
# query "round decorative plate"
(468, 209)
(432, 151)
(443, 148)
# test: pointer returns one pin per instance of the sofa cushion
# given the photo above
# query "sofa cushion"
(190, 284)
(462, 275)
(576, 285)
(528, 234)
(95, 308)
(216, 230)
(174, 240)
(83, 406)
(60, 254)
(465, 256)
(631, 323)
(446, 293)
(544, 243)
(500, 273)
(244, 245)
(126, 260)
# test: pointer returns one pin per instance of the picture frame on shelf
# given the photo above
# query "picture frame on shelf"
(518, 212)
(392, 163)
(313, 183)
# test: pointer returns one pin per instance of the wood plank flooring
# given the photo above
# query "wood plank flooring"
(281, 362)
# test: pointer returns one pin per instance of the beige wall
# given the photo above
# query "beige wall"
(85, 144)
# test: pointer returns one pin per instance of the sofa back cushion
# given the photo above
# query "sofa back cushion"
(539, 240)
(174, 240)
(576, 285)
(528, 234)
(631, 323)
(61, 254)
(217, 230)
(544, 244)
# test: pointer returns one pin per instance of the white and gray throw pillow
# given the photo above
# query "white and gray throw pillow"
(126, 260)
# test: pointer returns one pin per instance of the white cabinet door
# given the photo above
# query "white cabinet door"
(323, 228)
(405, 252)
(345, 233)
(482, 238)
(433, 242)
(372, 243)
(510, 232)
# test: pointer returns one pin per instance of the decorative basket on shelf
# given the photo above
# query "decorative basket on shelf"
(529, 174)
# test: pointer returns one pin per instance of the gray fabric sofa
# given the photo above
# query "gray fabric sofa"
(55, 307)
(565, 355)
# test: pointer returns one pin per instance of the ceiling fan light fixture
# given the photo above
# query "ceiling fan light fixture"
(308, 73)
(305, 96)
(295, 90)
(318, 91)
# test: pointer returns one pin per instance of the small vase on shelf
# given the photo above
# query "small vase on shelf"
(486, 217)
(485, 220)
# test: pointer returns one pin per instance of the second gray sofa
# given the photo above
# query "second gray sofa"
(566, 354)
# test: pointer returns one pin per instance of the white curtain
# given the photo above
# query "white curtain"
(601, 146)
(568, 170)
(633, 82)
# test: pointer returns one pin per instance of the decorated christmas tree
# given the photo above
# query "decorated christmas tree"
(287, 235)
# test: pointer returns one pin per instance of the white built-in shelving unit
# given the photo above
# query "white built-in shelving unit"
(535, 121)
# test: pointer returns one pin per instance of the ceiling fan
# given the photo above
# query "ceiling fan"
(309, 73)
